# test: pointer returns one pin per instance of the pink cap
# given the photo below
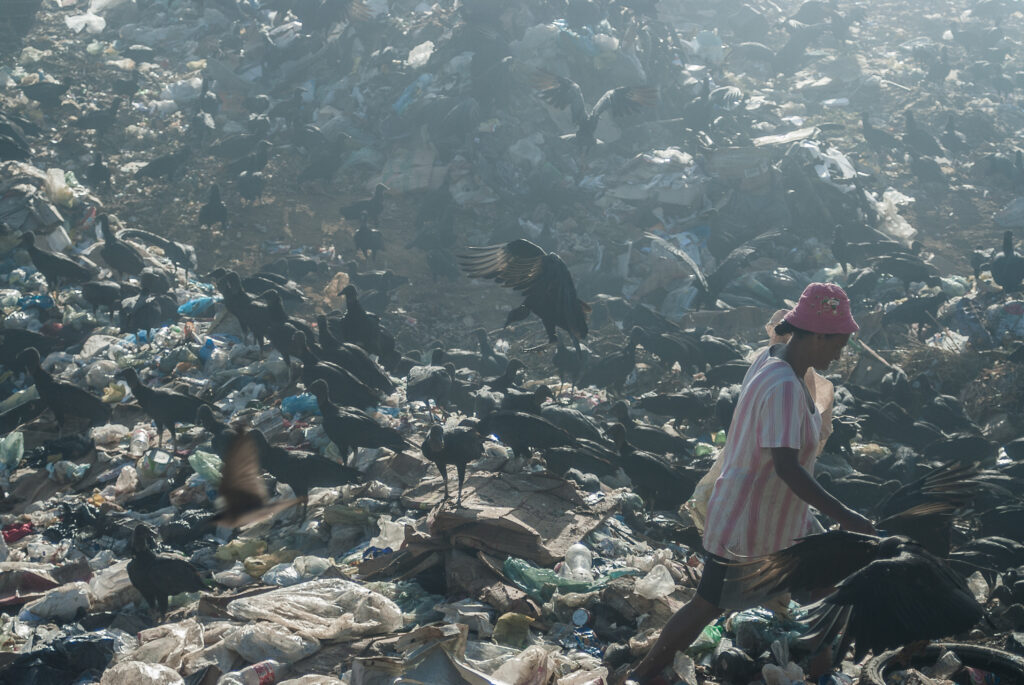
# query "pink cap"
(823, 308)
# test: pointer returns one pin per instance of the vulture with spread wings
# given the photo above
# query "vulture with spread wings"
(541, 276)
(241, 486)
(561, 92)
(889, 593)
(710, 285)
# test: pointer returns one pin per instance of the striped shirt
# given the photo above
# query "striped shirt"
(752, 511)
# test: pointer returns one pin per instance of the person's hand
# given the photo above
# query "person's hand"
(854, 522)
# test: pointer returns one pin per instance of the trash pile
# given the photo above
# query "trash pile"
(241, 221)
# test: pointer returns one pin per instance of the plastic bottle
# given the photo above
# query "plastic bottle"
(139, 443)
(578, 563)
(263, 673)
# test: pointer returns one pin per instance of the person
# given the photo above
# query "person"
(761, 500)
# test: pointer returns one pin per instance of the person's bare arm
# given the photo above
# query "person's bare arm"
(788, 468)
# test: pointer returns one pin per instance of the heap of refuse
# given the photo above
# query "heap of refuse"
(749, 155)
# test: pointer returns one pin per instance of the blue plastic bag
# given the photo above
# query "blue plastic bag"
(196, 306)
(300, 404)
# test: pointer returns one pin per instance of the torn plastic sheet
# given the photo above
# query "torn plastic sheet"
(327, 609)
(832, 166)
(430, 663)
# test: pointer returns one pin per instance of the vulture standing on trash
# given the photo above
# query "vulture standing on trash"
(62, 398)
(372, 206)
(350, 428)
(457, 447)
(55, 267)
(542, 276)
(121, 257)
(157, 576)
(1007, 268)
(214, 211)
(165, 407)
(890, 591)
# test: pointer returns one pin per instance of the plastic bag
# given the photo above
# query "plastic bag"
(300, 570)
(57, 190)
(110, 434)
(533, 665)
(541, 583)
(168, 644)
(197, 306)
(392, 533)
(263, 640)
(100, 374)
(206, 465)
(111, 588)
(657, 583)
(706, 641)
(240, 549)
(234, 577)
(327, 609)
(756, 629)
(300, 404)
(512, 629)
(66, 660)
(90, 22)
(67, 471)
(12, 449)
(776, 675)
(140, 673)
(59, 604)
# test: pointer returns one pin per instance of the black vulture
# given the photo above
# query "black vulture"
(542, 276)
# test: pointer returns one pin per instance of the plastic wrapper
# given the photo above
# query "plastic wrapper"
(111, 588)
(109, 434)
(264, 640)
(59, 604)
(299, 570)
(206, 465)
(234, 577)
(656, 584)
(92, 23)
(533, 665)
(12, 449)
(168, 644)
(140, 673)
(327, 609)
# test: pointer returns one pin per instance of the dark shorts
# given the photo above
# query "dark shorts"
(722, 584)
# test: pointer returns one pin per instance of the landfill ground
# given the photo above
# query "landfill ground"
(293, 525)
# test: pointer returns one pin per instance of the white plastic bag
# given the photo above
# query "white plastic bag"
(88, 21)
(259, 641)
(656, 584)
(234, 576)
(327, 609)
(111, 588)
(60, 604)
(140, 673)
(533, 665)
(168, 644)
